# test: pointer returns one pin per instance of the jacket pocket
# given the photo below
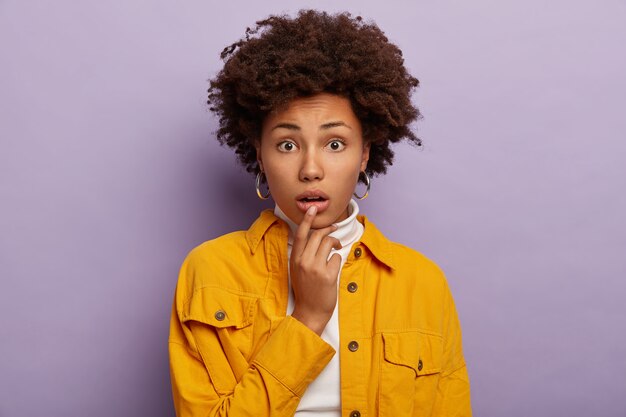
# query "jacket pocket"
(220, 308)
(410, 372)
(222, 324)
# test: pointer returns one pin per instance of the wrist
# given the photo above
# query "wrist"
(316, 323)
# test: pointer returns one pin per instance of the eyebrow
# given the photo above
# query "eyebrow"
(325, 126)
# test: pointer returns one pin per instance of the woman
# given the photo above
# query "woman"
(312, 311)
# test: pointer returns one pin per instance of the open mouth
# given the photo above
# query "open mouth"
(312, 198)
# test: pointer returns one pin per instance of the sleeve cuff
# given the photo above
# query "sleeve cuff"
(294, 355)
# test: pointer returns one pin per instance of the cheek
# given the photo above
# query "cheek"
(347, 178)
(271, 179)
(277, 179)
(357, 167)
(273, 168)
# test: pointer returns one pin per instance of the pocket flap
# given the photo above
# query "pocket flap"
(220, 308)
(420, 351)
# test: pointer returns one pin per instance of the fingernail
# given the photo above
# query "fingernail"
(311, 211)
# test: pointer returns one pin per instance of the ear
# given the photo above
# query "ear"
(365, 156)
(259, 158)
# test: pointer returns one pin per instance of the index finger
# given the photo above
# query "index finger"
(300, 238)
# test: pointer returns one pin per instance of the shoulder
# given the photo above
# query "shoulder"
(418, 270)
(410, 269)
(409, 259)
(223, 262)
(235, 261)
(403, 261)
(222, 247)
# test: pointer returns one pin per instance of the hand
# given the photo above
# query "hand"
(313, 278)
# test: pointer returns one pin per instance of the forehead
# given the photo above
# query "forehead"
(319, 108)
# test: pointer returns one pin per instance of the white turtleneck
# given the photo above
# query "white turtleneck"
(323, 396)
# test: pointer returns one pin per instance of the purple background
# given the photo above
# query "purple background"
(110, 174)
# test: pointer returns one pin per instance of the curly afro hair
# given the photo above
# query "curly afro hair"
(284, 58)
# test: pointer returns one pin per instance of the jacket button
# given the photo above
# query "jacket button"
(353, 346)
(355, 413)
(220, 315)
(420, 365)
(358, 252)
(352, 287)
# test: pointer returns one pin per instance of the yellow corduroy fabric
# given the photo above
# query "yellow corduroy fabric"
(233, 352)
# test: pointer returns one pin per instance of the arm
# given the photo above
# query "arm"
(204, 365)
(272, 384)
(453, 392)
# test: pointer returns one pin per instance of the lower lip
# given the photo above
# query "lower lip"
(305, 205)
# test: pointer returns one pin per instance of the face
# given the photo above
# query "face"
(312, 152)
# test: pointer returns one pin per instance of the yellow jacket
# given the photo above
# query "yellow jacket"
(234, 353)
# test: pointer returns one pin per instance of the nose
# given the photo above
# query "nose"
(311, 168)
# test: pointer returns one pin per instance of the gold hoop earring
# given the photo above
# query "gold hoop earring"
(258, 187)
(367, 191)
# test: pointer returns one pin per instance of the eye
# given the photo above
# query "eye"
(286, 146)
(336, 145)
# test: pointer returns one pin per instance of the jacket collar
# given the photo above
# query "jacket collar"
(372, 238)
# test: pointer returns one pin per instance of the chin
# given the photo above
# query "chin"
(320, 223)
(324, 220)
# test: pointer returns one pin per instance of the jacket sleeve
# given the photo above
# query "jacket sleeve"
(453, 391)
(271, 384)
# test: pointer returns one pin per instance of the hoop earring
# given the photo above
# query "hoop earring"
(367, 191)
(258, 187)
